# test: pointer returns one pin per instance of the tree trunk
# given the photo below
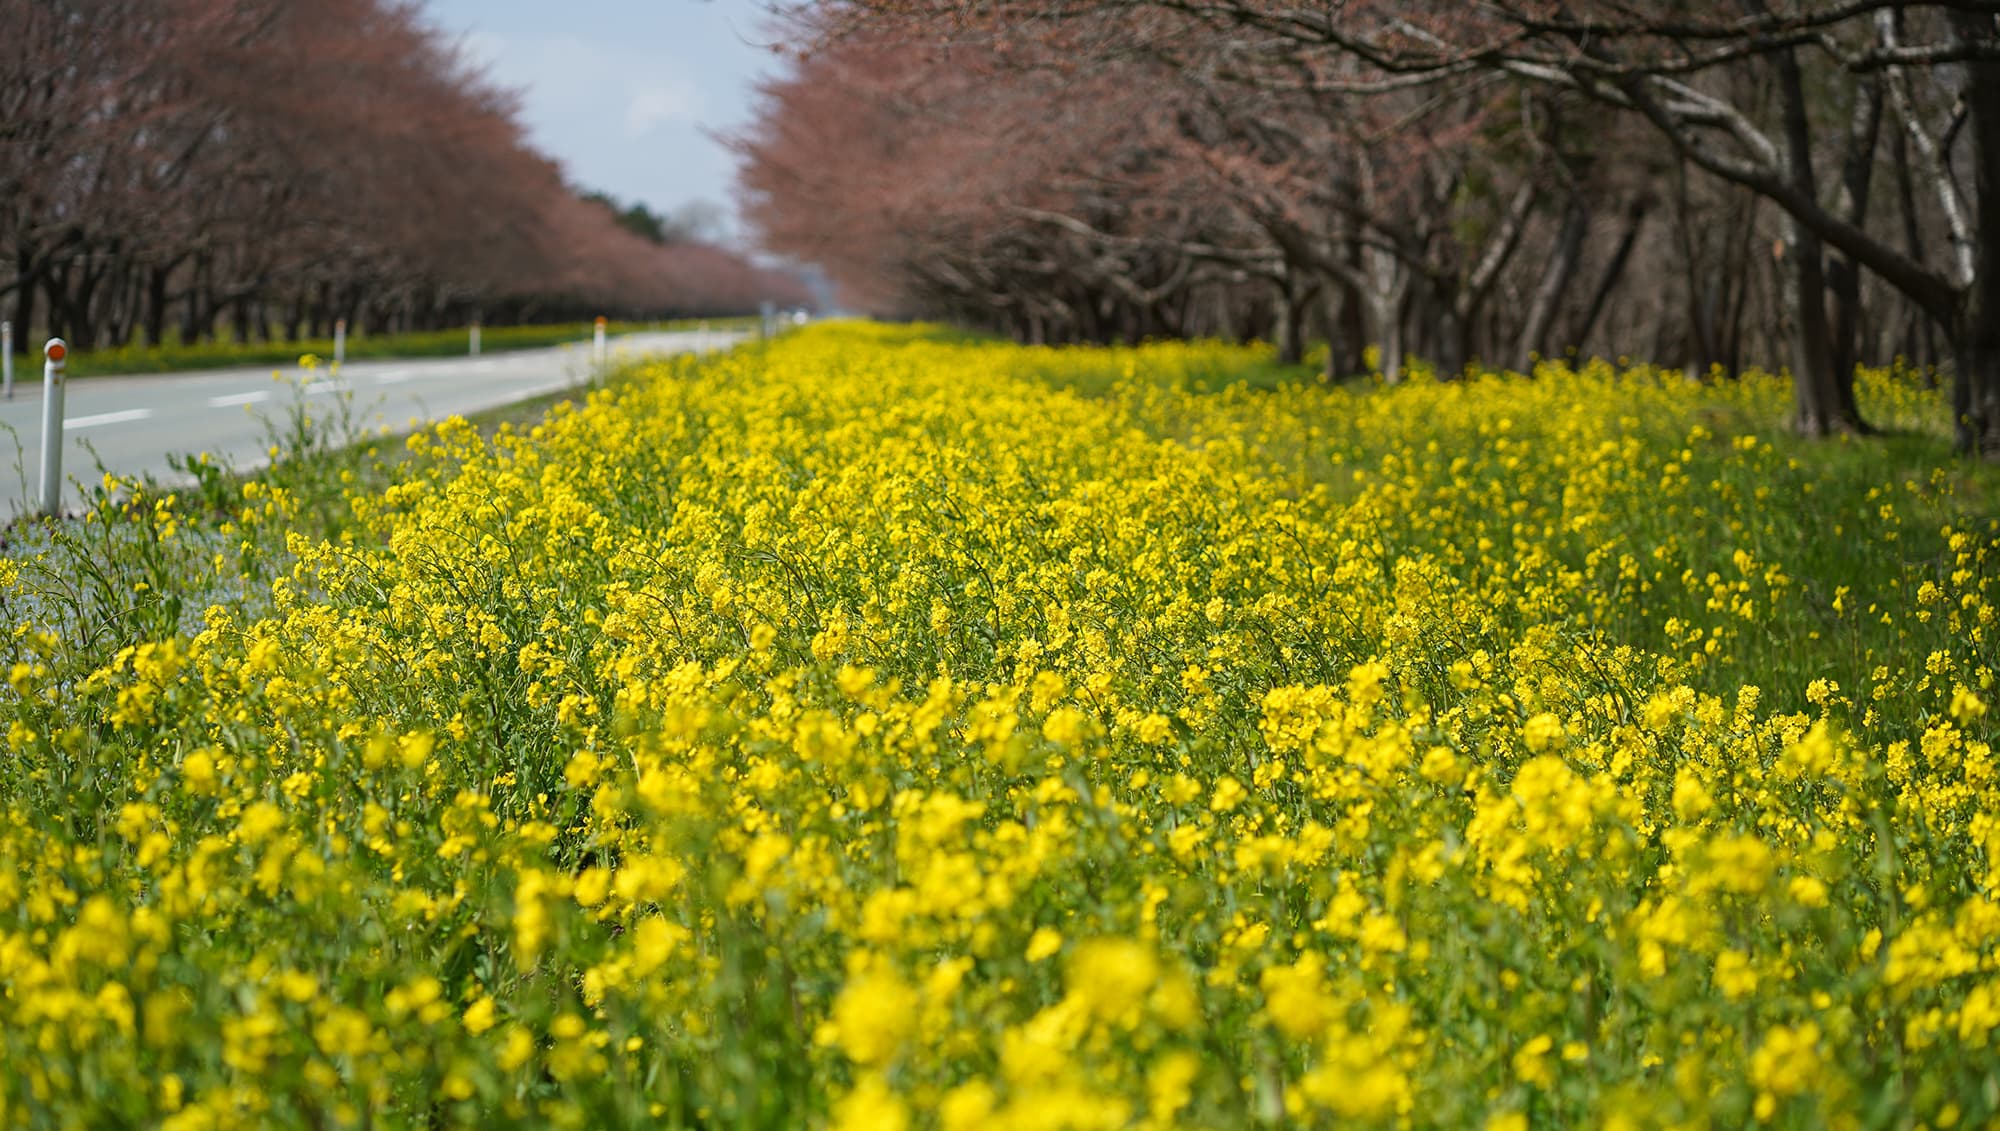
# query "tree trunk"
(1614, 270)
(322, 311)
(1385, 326)
(191, 304)
(55, 288)
(24, 298)
(1976, 345)
(82, 315)
(1534, 340)
(1735, 267)
(1346, 331)
(1445, 316)
(156, 305)
(1844, 275)
(1822, 394)
(1918, 346)
(1975, 390)
(1290, 331)
(1816, 393)
(1703, 346)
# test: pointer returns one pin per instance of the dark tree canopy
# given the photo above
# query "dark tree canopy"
(1814, 183)
(188, 167)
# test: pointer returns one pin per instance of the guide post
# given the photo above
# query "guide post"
(54, 355)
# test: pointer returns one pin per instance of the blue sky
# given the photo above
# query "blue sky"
(620, 91)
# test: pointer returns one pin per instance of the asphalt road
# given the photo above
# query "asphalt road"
(132, 424)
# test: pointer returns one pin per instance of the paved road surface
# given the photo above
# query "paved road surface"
(133, 423)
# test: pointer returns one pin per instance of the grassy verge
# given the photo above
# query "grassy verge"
(437, 343)
(144, 559)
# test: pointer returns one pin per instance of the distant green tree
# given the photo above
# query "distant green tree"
(697, 221)
(636, 218)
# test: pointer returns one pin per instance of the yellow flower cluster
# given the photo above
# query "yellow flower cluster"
(877, 730)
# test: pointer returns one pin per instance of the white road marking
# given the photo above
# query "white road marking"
(235, 399)
(324, 387)
(394, 376)
(129, 414)
(543, 390)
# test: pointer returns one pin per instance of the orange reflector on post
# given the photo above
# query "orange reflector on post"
(56, 350)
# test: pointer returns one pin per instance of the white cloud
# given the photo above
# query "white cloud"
(627, 93)
(662, 104)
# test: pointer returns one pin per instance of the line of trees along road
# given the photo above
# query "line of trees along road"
(188, 168)
(1813, 183)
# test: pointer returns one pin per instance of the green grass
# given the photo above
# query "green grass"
(1857, 525)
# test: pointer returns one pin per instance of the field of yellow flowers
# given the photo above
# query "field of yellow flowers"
(882, 730)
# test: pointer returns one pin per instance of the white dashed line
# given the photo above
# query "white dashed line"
(324, 387)
(129, 414)
(235, 399)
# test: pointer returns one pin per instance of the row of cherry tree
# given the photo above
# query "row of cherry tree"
(183, 168)
(1717, 183)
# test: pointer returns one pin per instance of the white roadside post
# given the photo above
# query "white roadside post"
(769, 311)
(7, 357)
(701, 338)
(339, 341)
(475, 337)
(597, 354)
(52, 424)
